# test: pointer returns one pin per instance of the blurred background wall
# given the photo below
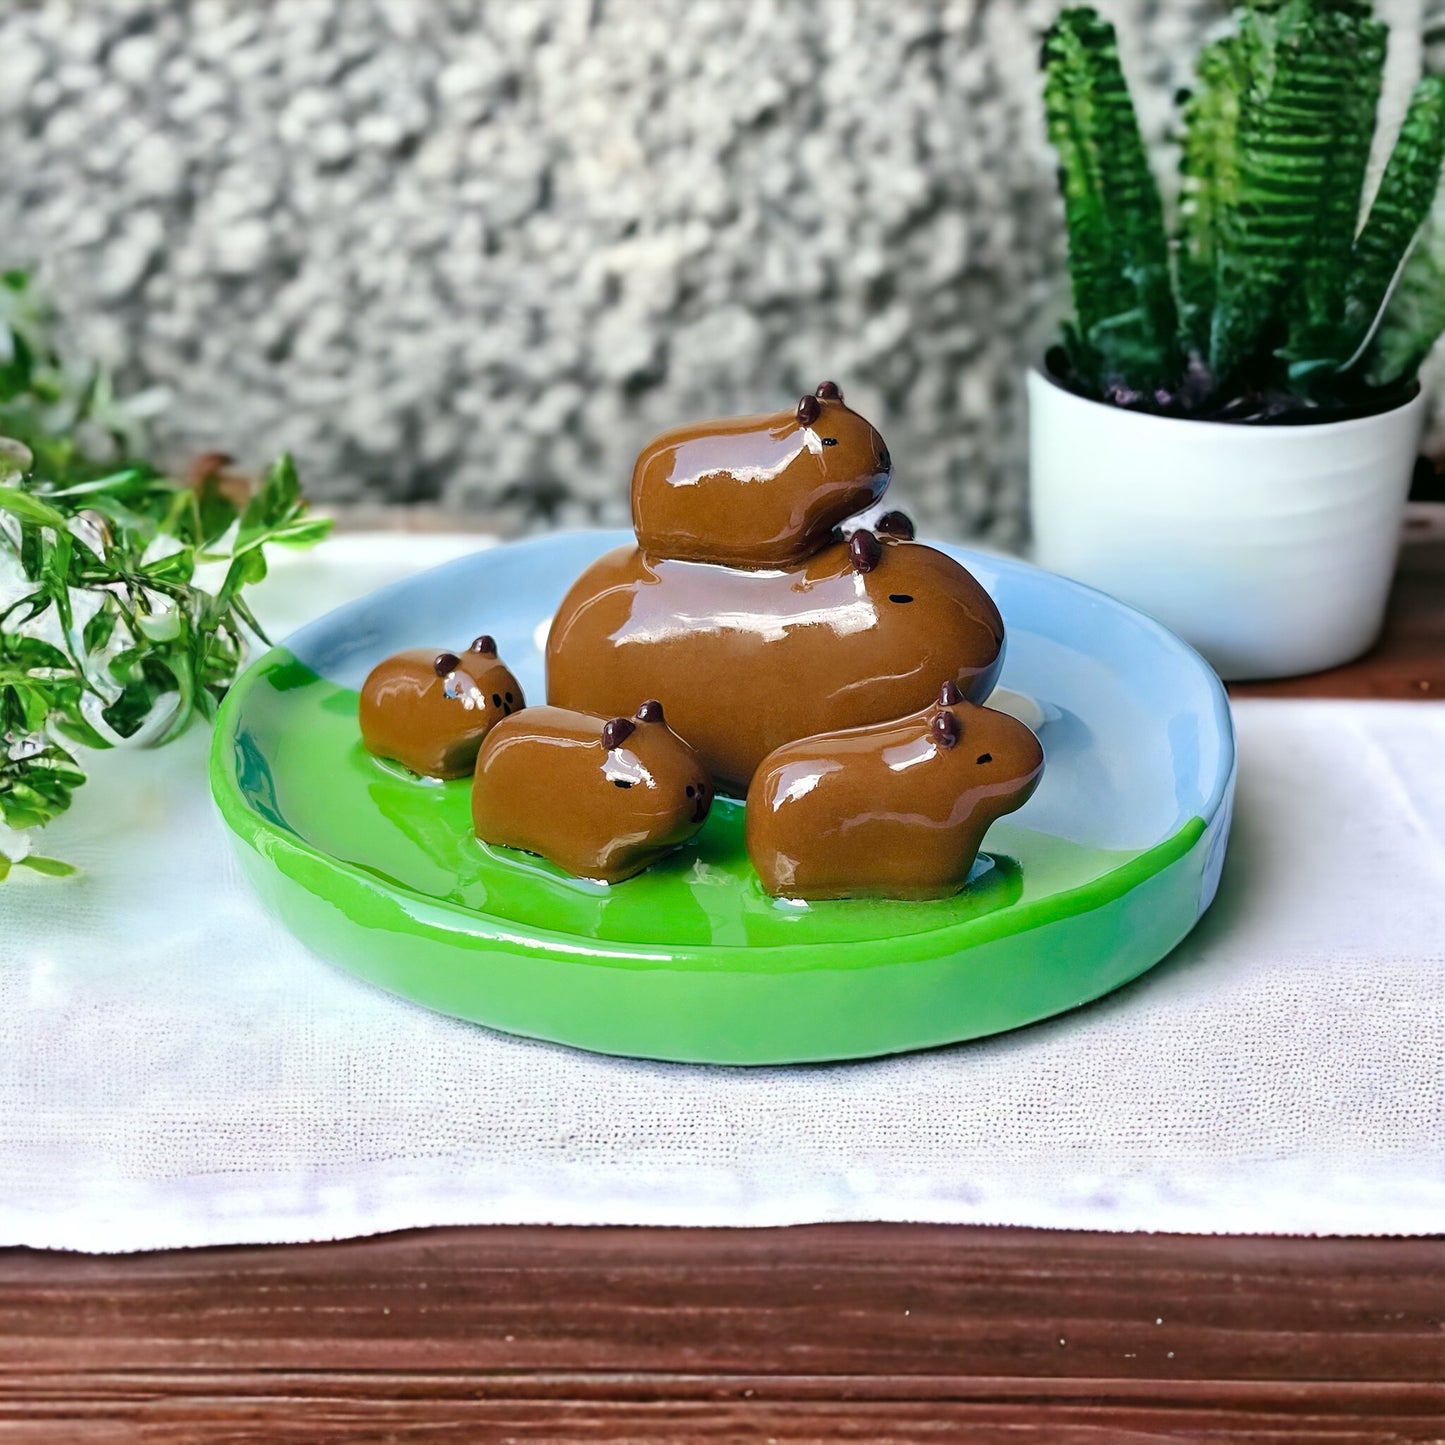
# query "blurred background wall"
(473, 253)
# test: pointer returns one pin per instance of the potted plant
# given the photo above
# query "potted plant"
(1226, 433)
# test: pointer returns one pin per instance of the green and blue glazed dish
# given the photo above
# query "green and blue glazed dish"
(1096, 879)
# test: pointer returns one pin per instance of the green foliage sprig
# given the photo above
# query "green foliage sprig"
(122, 614)
(1270, 298)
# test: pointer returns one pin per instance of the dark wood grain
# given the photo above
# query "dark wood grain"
(858, 1332)
(877, 1333)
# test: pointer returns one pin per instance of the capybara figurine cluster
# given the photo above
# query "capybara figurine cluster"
(748, 656)
(834, 679)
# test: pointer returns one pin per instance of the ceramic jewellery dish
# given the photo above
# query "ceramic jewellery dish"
(1093, 881)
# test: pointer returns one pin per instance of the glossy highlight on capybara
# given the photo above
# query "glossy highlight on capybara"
(745, 661)
(429, 711)
(601, 797)
(896, 810)
(757, 491)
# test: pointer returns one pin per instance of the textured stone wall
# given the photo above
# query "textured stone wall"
(476, 254)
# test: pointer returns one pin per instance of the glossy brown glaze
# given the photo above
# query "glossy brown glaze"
(429, 711)
(896, 810)
(757, 491)
(745, 661)
(600, 797)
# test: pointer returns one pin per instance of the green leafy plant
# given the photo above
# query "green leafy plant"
(1272, 299)
(122, 614)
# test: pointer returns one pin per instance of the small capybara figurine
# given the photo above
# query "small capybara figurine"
(429, 711)
(757, 491)
(745, 661)
(897, 810)
(601, 798)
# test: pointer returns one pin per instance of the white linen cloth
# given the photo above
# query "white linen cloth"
(175, 1070)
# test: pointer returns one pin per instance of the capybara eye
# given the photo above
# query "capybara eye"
(621, 783)
(899, 597)
(829, 441)
(496, 699)
(985, 757)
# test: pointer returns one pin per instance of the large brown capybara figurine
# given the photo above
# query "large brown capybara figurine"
(745, 661)
(600, 798)
(757, 491)
(429, 711)
(897, 810)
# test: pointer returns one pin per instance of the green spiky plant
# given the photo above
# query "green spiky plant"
(1274, 298)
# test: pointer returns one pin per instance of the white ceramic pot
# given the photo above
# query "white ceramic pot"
(1269, 548)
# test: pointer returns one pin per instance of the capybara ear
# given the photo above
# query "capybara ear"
(949, 695)
(445, 662)
(945, 729)
(895, 524)
(809, 410)
(829, 391)
(650, 711)
(486, 644)
(616, 732)
(864, 551)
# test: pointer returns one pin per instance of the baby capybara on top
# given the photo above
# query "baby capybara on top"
(757, 491)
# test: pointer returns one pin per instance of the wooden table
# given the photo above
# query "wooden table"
(878, 1333)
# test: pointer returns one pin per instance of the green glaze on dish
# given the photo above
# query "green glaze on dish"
(378, 871)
